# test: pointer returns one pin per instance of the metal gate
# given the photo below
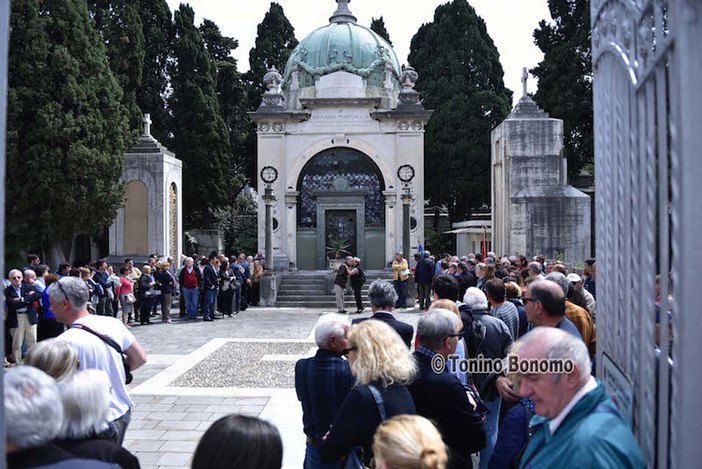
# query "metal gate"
(647, 64)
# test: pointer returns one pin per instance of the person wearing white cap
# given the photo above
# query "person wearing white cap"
(577, 282)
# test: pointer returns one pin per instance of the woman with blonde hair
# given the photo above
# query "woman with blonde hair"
(409, 442)
(383, 367)
(55, 357)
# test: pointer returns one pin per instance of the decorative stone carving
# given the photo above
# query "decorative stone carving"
(416, 125)
(403, 125)
(264, 127)
(408, 96)
(278, 126)
(409, 78)
(272, 98)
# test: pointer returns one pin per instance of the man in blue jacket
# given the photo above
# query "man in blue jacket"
(576, 423)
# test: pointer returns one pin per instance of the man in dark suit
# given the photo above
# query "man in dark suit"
(210, 277)
(22, 316)
(424, 274)
(441, 397)
(382, 298)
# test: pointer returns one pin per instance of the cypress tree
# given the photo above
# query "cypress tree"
(461, 78)
(565, 77)
(67, 127)
(121, 29)
(231, 97)
(200, 137)
(378, 27)
(157, 30)
(275, 41)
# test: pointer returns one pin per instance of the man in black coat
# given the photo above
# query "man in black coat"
(382, 298)
(424, 274)
(441, 397)
(210, 283)
(22, 316)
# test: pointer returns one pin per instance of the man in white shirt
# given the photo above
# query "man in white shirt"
(69, 297)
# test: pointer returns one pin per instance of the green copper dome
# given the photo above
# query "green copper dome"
(342, 45)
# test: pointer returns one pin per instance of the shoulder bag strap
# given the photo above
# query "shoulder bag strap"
(378, 402)
(105, 339)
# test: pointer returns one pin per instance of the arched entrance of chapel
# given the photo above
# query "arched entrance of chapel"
(341, 209)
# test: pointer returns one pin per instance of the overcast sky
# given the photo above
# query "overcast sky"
(510, 23)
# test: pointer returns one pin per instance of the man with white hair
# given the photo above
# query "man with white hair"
(97, 338)
(382, 297)
(577, 315)
(576, 423)
(33, 404)
(322, 382)
(577, 282)
(22, 316)
(439, 396)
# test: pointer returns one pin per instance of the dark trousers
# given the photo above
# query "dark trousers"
(244, 303)
(118, 427)
(144, 310)
(235, 305)
(357, 295)
(401, 289)
(424, 295)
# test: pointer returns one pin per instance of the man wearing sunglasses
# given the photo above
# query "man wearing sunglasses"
(86, 332)
(22, 316)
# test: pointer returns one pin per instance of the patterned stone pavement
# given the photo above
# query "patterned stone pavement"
(200, 371)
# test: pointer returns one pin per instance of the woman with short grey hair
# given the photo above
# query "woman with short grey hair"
(475, 299)
(86, 400)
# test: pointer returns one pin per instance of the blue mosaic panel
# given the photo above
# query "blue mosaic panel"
(356, 168)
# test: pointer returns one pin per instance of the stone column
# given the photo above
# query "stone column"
(406, 200)
(268, 281)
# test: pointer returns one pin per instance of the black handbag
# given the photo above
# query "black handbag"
(127, 371)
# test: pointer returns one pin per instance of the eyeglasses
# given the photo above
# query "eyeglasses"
(58, 282)
(345, 352)
(527, 300)
(460, 334)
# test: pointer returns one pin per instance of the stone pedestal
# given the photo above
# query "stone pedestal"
(269, 290)
(410, 299)
(534, 210)
(151, 221)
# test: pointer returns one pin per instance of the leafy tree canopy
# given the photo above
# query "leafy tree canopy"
(378, 27)
(565, 77)
(461, 78)
(201, 140)
(67, 126)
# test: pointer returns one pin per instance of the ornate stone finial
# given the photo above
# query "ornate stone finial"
(147, 125)
(525, 76)
(272, 79)
(342, 13)
(409, 78)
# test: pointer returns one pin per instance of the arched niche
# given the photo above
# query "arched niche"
(136, 218)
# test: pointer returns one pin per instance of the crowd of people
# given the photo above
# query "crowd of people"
(377, 393)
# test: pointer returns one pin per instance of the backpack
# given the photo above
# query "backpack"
(361, 275)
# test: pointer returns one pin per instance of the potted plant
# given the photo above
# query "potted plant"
(335, 250)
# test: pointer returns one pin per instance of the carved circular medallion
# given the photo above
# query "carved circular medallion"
(340, 184)
(264, 127)
(403, 126)
(416, 125)
(269, 174)
(278, 127)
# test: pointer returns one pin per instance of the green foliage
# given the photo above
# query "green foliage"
(238, 222)
(119, 25)
(565, 77)
(232, 100)
(201, 139)
(437, 243)
(157, 31)
(275, 41)
(67, 126)
(461, 78)
(378, 27)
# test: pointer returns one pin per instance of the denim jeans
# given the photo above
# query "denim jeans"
(312, 460)
(236, 298)
(190, 296)
(208, 305)
(491, 421)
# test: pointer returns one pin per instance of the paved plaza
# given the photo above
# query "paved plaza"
(200, 371)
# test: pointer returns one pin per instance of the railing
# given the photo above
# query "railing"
(647, 64)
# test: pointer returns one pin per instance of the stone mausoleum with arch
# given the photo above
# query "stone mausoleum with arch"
(337, 124)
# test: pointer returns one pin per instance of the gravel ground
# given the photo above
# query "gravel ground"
(239, 364)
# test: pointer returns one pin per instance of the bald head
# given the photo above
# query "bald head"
(551, 296)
